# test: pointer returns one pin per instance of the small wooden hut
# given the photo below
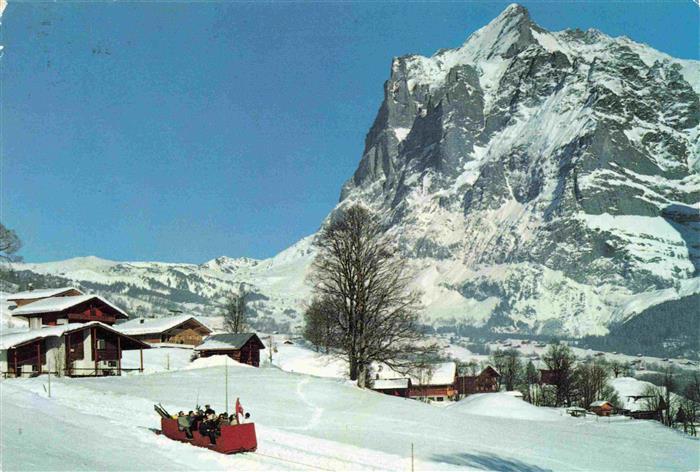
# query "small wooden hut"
(241, 347)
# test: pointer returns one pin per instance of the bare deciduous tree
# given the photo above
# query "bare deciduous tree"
(320, 328)
(9, 244)
(592, 384)
(560, 361)
(234, 311)
(359, 274)
(509, 366)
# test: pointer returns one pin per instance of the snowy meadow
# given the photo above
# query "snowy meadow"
(307, 422)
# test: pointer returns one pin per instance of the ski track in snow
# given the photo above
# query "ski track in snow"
(317, 411)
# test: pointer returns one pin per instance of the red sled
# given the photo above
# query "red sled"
(234, 438)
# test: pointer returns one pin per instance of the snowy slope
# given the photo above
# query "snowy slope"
(306, 423)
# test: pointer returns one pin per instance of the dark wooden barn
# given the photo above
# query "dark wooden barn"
(243, 347)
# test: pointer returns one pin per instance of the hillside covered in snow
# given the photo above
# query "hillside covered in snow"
(310, 423)
(540, 182)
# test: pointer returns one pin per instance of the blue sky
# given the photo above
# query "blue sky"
(185, 131)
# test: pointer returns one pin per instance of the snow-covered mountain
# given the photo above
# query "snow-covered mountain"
(537, 181)
(541, 180)
(277, 285)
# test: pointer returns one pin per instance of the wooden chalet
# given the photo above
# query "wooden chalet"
(29, 296)
(396, 387)
(241, 347)
(74, 350)
(485, 382)
(186, 330)
(69, 334)
(436, 384)
(602, 408)
(53, 311)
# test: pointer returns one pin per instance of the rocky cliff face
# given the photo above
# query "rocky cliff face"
(543, 178)
(537, 181)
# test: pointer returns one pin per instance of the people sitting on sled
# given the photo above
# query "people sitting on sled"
(195, 419)
(208, 428)
(223, 420)
(184, 424)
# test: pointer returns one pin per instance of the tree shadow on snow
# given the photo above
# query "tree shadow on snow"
(487, 462)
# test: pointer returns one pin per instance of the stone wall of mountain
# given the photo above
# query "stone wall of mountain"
(560, 169)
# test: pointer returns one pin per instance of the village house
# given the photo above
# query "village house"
(601, 408)
(242, 347)
(485, 382)
(435, 384)
(396, 387)
(186, 330)
(74, 350)
(69, 333)
(64, 309)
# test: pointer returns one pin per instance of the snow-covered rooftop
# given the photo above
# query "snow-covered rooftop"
(440, 374)
(54, 304)
(227, 341)
(9, 340)
(40, 293)
(632, 392)
(155, 325)
(599, 403)
(386, 384)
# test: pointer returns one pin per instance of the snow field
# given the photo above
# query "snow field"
(310, 423)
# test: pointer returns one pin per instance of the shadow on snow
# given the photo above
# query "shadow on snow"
(487, 462)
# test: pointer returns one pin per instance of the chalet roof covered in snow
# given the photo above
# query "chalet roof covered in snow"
(15, 339)
(156, 325)
(599, 403)
(55, 304)
(40, 293)
(228, 341)
(388, 384)
(440, 374)
(635, 394)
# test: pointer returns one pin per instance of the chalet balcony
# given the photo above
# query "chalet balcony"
(88, 316)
